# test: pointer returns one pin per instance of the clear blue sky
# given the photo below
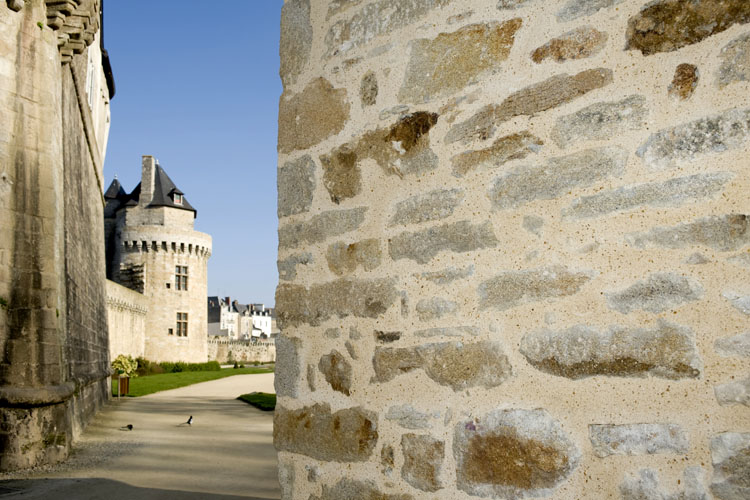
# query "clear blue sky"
(197, 86)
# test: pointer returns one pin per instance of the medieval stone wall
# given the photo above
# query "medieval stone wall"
(514, 249)
(126, 318)
(229, 351)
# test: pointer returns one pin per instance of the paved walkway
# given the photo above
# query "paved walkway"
(226, 454)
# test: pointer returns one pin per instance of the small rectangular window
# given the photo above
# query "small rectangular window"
(181, 277)
(182, 324)
(171, 331)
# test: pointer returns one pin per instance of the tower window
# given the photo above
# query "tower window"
(177, 199)
(181, 277)
(182, 324)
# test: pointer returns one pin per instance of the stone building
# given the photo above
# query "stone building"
(514, 249)
(55, 87)
(235, 321)
(152, 248)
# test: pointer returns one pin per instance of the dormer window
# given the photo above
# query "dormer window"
(177, 198)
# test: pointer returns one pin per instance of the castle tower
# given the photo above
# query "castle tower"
(152, 248)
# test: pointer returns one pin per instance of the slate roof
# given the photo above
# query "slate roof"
(114, 191)
(164, 189)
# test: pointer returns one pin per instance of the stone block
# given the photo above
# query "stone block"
(422, 246)
(739, 300)
(531, 100)
(307, 118)
(423, 461)
(720, 232)
(446, 276)
(296, 305)
(666, 351)
(345, 258)
(738, 345)
(646, 486)
(387, 459)
(601, 121)
(513, 288)
(348, 435)
(337, 371)
(453, 364)
(288, 363)
(338, 6)
(637, 439)
(692, 141)
(684, 81)
(434, 205)
(533, 224)
(659, 292)
(311, 382)
(670, 193)
(742, 259)
(556, 177)
(668, 25)
(452, 61)
(375, 19)
(409, 417)
(512, 453)
(435, 308)
(448, 331)
(512, 4)
(574, 9)
(321, 227)
(288, 267)
(349, 489)
(387, 337)
(735, 61)
(582, 42)
(342, 176)
(503, 149)
(296, 186)
(368, 89)
(296, 39)
(733, 393)
(730, 455)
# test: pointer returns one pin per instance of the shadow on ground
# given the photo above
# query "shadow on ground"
(98, 489)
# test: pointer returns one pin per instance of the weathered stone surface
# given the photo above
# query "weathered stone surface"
(321, 227)
(512, 454)
(337, 371)
(434, 205)
(377, 18)
(684, 82)
(410, 418)
(435, 308)
(448, 331)
(503, 149)
(342, 176)
(297, 305)
(735, 61)
(288, 363)
(659, 292)
(452, 61)
(348, 435)
(316, 113)
(637, 439)
(582, 42)
(350, 349)
(368, 89)
(422, 246)
(673, 192)
(387, 459)
(580, 8)
(448, 275)
(512, 4)
(739, 300)
(533, 224)
(311, 382)
(667, 25)
(742, 259)
(732, 393)
(671, 147)
(667, 351)
(296, 39)
(738, 345)
(332, 333)
(296, 185)
(453, 364)
(646, 486)
(534, 99)
(423, 460)
(338, 6)
(513, 288)
(601, 121)
(721, 232)
(349, 489)
(286, 479)
(556, 177)
(730, 455)
(345, 258)
(697, 259)
(387, 337)
(288, 267)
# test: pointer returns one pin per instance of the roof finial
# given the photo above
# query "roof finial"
(115, 176)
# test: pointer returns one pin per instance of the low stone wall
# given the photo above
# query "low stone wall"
(227, 351)
(126, 317)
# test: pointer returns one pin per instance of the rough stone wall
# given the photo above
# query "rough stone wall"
(126, 318)
(229, 351)
(53, 332)
(514, 249)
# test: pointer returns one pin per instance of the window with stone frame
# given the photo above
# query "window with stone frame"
(182, 324)
(181, 277)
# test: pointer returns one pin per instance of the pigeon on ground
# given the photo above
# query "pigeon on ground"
(128, 427)
(190, 420)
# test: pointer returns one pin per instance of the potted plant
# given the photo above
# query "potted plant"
(124, 367)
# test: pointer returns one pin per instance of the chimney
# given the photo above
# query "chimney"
(226, 299)
(148, 173)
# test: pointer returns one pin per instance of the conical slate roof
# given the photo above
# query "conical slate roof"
(114, 191)
(164, 189)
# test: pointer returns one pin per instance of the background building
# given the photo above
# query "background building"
(235, 321)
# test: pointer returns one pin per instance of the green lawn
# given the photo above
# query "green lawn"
(140, 386)
(261, 400)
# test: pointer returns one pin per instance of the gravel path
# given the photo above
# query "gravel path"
(226, 453)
